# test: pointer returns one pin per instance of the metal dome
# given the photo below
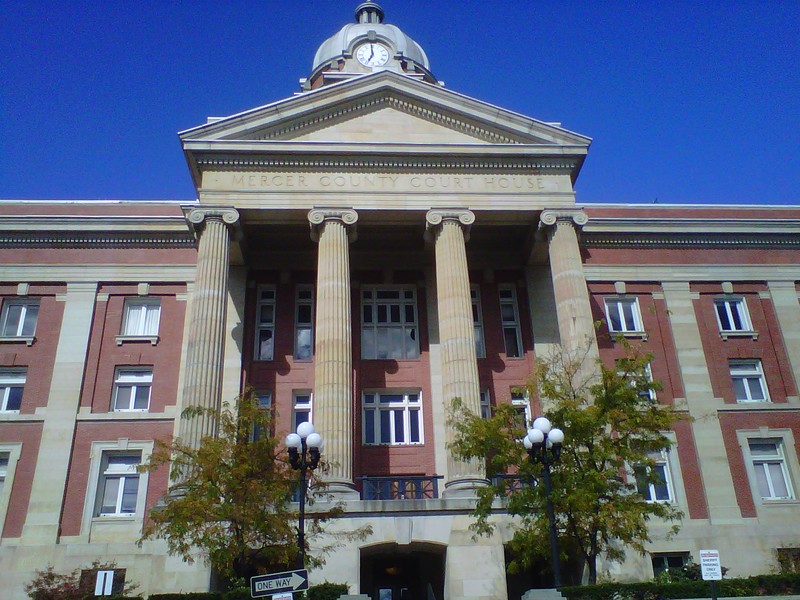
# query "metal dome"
(369, 17)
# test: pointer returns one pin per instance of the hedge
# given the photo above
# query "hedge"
(758, 585)
(322, 591)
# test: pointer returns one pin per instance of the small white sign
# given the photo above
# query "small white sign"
(709, 565)
(104, 584)
(287, 596)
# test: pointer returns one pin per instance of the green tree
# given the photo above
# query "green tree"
(611, 425)
(232, 498)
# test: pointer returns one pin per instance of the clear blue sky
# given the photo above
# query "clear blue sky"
(687, 101)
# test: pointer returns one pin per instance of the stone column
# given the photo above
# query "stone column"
(450, 231)
(205, 349)
(334, 229)
(575, 322)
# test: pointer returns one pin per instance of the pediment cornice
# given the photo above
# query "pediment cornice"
(287, 118)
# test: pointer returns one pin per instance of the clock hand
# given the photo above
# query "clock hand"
(371, 51)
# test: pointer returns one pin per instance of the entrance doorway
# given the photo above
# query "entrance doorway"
(413, 572)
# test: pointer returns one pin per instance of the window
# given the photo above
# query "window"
(141, 317)
(486, 405)
(641, 381)
(301, 408)
(18, 317)
(732, 315)
(477, 320)
(12, 383)
(132, 388)
(521, 403)
(669, 561)
(265, 403)
(389, 324)
(303, 323)
(748, 381)
(3, 471)
(623, 315)
(392, 418)
(769, 465)
(653, 483)
(265, 324)
(509, 314)
(118, 488)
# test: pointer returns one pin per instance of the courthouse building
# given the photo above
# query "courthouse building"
(360, 254)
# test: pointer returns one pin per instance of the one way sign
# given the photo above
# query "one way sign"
(277, 583)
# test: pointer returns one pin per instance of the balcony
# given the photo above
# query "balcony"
(411, 487)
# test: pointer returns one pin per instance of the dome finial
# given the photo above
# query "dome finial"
(369, 12)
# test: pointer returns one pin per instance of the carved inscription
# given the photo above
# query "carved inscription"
(379, 182)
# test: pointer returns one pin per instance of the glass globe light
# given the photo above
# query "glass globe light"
(556, 435)
(305, 429)
(535, 436)
(542, 424)
(294, 441)
(314, 440)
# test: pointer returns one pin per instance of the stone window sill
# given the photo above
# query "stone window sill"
(125, 339)
(18, 339)
(738, 334)
(636, 335)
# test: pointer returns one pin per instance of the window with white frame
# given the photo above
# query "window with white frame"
(303, 323)
(392, 418)
(486, 404)
(669, 561)
(3, 471)
(118, 488)
(265, 324)
(389, 323)
(264, 402)
(623, 315)
(141, 317)
(132, 386)
(12, 384)
(653, 482)
(522, 405)
(301, 408)
(18, 317)
(642, 382)
(749, 384)
(732, 315)
(477, 322)
(769, 465)
(509, 314)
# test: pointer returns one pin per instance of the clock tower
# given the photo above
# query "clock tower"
(367, 46)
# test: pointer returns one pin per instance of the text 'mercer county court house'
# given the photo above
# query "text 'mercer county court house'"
(361, 253)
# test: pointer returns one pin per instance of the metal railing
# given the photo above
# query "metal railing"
(513, 483)
(409, 487)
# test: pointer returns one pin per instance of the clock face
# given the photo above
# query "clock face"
(372, 54)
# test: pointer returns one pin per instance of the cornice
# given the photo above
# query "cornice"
(387, 163)
(693, 272)
(689, 240)
(93, 231)
(642, 232)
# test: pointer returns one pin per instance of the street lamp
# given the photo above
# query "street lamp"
(304, 450)
(543, 444)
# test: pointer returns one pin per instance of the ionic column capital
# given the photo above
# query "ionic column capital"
(573, 216)
(437, 216)
(346, 216)
(226, 214)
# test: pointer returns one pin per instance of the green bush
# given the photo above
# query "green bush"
(758, 585)
(326, 591)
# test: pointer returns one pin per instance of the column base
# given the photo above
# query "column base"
(463, 487)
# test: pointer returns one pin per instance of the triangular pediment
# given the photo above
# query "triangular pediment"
(383, 108)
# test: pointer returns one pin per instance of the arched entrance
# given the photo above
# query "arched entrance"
(408, 572)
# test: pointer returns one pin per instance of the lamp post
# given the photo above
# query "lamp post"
(304, 451)
(543, 444)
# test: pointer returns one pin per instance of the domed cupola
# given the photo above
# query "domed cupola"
(366, 46)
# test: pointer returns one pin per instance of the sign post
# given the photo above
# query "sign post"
(710, 569)
(278, 583)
